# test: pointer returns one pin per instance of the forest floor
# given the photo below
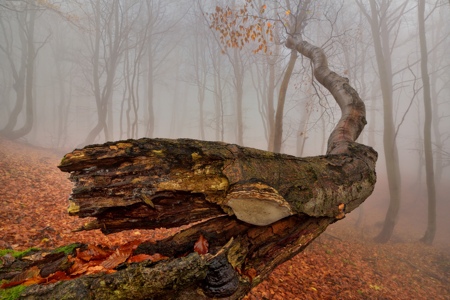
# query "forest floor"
(343, 263)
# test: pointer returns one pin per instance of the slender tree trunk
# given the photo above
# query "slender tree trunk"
(18, 73)
(278, 138)
(101, 113)
(62, 105)
(218, 97)
(28, 82)
(435, 65)
(302, 134)
(200, 78)
(429, 165)
(150, 90)
(111, 41)
(270, 114)
(201, 101)
(177, 101)
(239, 86)
(373, 109)
(380, 34)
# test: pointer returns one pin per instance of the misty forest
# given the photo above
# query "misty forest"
(244, 149)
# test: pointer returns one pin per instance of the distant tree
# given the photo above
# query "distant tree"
(65, 71)
(160, 26)
(199, 65)
(427, 143)
(134, 58)
(384, 20)
(440, 81)
(106, 40)
(17, 24)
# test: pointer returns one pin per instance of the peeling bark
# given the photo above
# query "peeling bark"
(151, 183)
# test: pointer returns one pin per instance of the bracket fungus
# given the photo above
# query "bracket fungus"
(257, 203)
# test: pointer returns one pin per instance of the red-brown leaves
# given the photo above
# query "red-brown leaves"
(201, 246)
(57, 276)
(27, 277)
(115, 259)
(93, 253)
(236, 29)
(95, 259)
(91, 260)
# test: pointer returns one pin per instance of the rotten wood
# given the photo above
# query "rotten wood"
(151, 183)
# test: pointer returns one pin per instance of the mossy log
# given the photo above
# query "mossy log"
(151, 183)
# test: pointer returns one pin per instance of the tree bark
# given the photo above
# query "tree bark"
(380, 30)
(255, 208)
(429, 164)
(278, 127)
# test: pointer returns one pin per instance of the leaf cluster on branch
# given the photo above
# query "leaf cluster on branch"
(239, 27)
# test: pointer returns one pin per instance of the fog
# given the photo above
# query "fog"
(79, 72)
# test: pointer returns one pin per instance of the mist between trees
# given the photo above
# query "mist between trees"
(80, 72)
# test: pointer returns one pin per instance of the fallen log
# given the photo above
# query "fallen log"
(152, 183)
(249, 209)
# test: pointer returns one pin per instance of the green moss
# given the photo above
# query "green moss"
(67, 249)
(11, 293)
(18, 254)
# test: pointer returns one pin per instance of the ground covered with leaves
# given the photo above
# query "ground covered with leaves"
(343, 263)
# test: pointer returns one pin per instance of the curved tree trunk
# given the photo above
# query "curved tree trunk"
(256, 209)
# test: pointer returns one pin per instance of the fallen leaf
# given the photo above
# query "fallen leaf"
(132, 245)
(95, 269)
(57, 276)
(93, 253)
(115, 259)
(201, 246)
(11, 284)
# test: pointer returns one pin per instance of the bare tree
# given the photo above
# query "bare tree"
(298, 18)
(384, 19)
(439, 80)
(135, 46)
(109, 30)
(163, 20)
(21, 20)
(429, 165)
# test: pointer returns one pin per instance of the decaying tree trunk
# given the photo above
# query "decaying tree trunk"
(255, 208)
